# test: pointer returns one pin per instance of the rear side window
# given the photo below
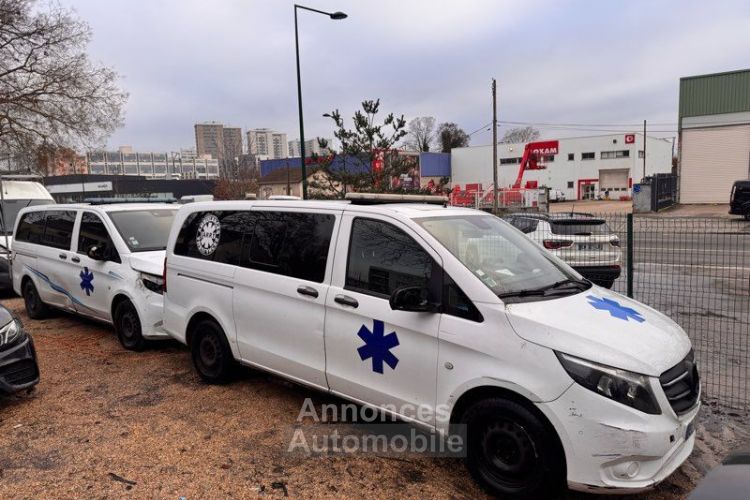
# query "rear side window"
(580, 227)
(290, 243)
(58, 229)
(525, 225)
(31, 227)
(383, 258)
(214, 236)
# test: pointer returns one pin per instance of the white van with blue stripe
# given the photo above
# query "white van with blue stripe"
(99, 261)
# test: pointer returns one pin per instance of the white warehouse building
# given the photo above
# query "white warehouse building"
(583, 168)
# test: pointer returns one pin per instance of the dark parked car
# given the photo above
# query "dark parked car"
(18, 366)
(728, 481)
(739, 200)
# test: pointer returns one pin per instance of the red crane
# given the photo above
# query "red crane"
(532, 153)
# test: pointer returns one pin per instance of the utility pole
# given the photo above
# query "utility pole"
(644, 150)
(494, 146)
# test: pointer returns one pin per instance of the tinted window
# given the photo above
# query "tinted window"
(144, 230)
(10, 209)
(31, 227)
(383, 258)
(58, 229)
(525, 225)
(93, 233)
(456, 303)
(288, 243)
(580, 227)
(201, 238)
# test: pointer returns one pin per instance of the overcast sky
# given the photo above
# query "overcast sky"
(556, 62)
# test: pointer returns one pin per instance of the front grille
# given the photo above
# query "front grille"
(20, 373)
(681, 384)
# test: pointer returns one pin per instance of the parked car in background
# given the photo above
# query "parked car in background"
(18, 366)
(556, 195)
(739, 199)
(446, 318)
(100, 261)
(16, 195)
(585, 242)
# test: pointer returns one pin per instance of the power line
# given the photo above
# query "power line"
(481, 128)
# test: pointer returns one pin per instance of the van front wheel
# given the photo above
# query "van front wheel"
(128, 326)
(511, 452)
(212, 356)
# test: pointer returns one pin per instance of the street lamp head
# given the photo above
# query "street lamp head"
(338, 15)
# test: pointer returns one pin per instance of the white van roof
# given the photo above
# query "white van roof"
(24, 190)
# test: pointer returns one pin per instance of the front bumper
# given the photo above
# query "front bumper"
(18, 367)
(612, 448)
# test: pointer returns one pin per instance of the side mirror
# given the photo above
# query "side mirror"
(411, 298)
(96, 253)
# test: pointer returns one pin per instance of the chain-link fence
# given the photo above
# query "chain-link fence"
(695, 270)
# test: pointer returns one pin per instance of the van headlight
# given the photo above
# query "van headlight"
(153, 282)
(628, 388)
(10, 333)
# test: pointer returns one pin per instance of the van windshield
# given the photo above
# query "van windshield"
(144, 230)
(506, 261)
(10, 209)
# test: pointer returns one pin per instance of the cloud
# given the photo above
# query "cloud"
(556, 61)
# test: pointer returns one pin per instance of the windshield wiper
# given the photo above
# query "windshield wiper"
(547, 289)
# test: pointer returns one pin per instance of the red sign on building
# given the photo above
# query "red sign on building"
(629, 138)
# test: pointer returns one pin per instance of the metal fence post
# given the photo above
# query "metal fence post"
(629, 253)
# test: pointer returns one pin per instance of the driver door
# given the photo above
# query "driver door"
(374, 354)
(94, 278)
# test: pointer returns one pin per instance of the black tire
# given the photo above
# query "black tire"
(128, 326)
(212, 356)
(35, 308)
(511, 452)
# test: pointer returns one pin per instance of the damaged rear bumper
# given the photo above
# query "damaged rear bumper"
(612, 448)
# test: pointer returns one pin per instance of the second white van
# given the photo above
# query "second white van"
(556, 380)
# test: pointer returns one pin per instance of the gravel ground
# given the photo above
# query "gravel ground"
(105, 422)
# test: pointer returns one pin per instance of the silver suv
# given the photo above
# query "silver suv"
(582, 240)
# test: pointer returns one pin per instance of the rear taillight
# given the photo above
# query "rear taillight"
(164, 275)
(615, 242)
(556, 244)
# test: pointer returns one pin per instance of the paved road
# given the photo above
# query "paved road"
(698, 272)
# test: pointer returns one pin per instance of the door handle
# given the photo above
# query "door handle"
(63, 256)
(345, 300)
(76, 259)
(307, 290)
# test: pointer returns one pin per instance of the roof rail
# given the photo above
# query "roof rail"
(112, 201)
(377, 198)
(21, 177)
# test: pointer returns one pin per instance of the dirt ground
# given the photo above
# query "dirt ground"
(105, 422)
(623, 207)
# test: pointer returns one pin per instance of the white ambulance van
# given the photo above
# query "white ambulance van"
(100, 261)
(556, 380)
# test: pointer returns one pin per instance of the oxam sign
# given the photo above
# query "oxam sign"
(545, 148)
(80, 187)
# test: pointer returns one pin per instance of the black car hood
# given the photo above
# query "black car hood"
(5, 316)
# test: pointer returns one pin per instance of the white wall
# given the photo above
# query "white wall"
(474, 164)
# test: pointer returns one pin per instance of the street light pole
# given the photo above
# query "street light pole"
(335, 16)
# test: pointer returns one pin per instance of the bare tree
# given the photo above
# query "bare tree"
(51, 95)
(420, 133)
(451, 136)
(520, 135)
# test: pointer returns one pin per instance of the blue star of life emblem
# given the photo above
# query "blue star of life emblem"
(378, 346)
(615, 309)
(87, 278)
